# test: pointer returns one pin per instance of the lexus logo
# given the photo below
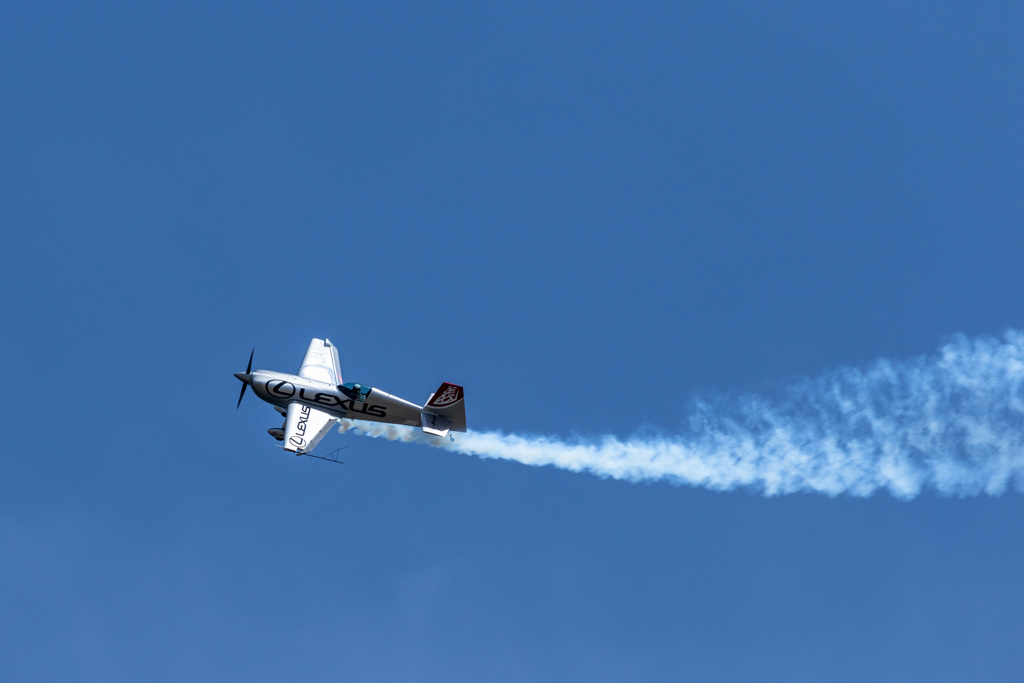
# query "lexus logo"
(280, 389)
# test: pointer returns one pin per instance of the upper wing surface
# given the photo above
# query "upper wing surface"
(321, 362)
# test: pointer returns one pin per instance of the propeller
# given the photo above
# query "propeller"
(245, 378)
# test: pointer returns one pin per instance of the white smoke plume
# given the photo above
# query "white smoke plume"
(952, 422)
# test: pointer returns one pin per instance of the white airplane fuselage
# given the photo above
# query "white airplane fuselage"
(280, 389)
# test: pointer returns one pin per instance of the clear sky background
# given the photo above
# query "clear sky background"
(586, 214)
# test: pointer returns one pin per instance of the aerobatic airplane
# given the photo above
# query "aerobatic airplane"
(314, 399)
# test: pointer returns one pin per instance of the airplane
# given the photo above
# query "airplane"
(313, 400)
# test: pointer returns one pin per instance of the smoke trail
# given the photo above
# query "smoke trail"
(952, 422)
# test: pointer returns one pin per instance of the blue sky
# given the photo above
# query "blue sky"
(587, 214)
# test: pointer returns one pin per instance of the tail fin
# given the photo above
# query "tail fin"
(445, 410)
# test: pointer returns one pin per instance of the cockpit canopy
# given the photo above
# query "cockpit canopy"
(356, 392)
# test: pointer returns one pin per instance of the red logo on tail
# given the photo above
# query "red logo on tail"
(446, 395)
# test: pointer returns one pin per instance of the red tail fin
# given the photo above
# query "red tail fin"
(449, 402)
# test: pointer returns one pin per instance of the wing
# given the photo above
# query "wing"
(321, 362)
(304, 427)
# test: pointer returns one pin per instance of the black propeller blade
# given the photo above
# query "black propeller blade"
(247, 378)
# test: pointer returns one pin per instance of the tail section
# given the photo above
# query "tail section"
(445, 411)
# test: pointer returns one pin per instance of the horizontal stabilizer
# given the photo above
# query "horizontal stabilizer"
(435, 424)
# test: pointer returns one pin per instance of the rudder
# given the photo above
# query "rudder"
(445, 410)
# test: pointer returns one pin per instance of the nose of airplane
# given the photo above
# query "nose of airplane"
(244, 377)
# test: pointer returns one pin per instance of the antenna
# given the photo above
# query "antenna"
(330, 457)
